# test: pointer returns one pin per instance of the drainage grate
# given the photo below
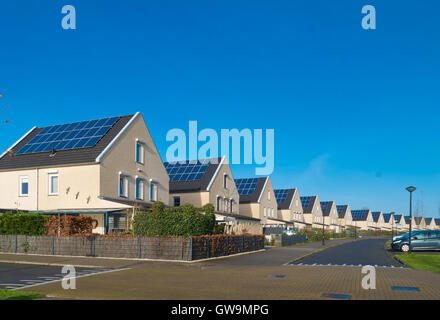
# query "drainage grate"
(276, 276)
(405, 288)
(336, 296)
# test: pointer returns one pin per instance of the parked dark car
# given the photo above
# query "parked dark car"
(420, 240)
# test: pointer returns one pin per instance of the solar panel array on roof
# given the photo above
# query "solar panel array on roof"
(324, 205)
(246, 186)
(305, 201)
(186, 171)
(340, 208)
(375, 215)
(281, 195)
(359, 214)
(397, 217)
(75, 135)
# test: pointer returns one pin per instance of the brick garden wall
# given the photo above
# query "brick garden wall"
(168, 248)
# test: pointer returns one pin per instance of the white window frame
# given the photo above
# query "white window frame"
(126, 190)
(142, 188)
(50, 176)
(22, 178)
(141, 145)
(154, 190)
(218, 203)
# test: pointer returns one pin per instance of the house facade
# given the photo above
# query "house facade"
(363, 219)
(290, 208)
(344, 217)
(389, 222)
(257, 200)
(378, 219)
(200, 182)
(104, 168)
(312, 211)
(331, 216)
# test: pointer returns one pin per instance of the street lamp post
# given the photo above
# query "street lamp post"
(323, 237)
(410, 190)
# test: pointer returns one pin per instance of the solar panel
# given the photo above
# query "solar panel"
(246, 186)
(305, 201)
(186, 171)
(324, 205)
(340, 208)
(75, 135)
(359, 214)
(281, 195)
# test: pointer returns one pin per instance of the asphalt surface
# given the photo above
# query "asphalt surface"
(364, 252)
(15, 276)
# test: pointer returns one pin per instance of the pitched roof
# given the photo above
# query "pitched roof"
(326, 207)
(250, 189)
(192, 175)
(418, 220)
(307, 203)
(428, 221)
(10, 160)
(437, 221)
(397, 217)
(376, 215)
(284, 198)
(360, 215)
(342, 210)
(386, 217)
(406, 219)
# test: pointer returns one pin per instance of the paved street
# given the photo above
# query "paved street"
(365, 252)
(15, 276)
(253, 276)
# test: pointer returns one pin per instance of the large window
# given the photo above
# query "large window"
(139, 189)
(123, 185)
(24, 186)
(53, 184)
(153, 191)
(219, 203)
(140, 152)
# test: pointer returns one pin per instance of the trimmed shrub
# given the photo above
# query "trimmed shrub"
(29, 224)
(70, 225)
(178, 221)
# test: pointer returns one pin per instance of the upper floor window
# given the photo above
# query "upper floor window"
(24, 186)
(176, 201)
(140, 189)
(231, 204)
(140, 152)
(225, 181)
(53, 184)
(268, 196)
(219, 203)
(123, 185)
(153, 191)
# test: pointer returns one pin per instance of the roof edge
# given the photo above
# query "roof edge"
(110, 145)
(215, 173)
(18, 141)
(262, 190)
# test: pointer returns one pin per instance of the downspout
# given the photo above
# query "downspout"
(37, 185)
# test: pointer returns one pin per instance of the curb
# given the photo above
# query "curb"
(317, 251)
(113, 258)
(396, 257)
(49, 264)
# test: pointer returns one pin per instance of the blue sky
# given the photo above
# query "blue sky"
(355, 112)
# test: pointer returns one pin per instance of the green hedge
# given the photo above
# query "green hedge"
(178, 221)
(30, 224)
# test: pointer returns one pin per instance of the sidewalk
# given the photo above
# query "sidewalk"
(272, 256)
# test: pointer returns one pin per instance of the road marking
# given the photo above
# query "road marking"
(52, 279)
(340, 265)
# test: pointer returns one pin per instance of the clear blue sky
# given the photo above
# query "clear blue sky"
(356, 113)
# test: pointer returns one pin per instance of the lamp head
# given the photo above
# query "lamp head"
(411, 189)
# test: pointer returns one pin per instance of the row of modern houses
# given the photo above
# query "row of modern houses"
(110, 168)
